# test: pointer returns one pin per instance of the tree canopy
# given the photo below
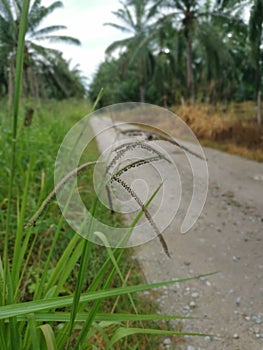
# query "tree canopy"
(185, 50)
(45, 69)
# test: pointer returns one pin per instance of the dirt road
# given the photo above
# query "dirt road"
(228, 238)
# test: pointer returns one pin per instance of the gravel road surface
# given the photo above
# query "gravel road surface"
(228, 238)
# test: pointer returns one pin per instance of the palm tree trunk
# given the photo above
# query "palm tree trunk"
(259, 109)
(10, 89)
(25, 85)
(142, 93)
(35, 84)
(11, 80)
(190, 75)
(258, 87)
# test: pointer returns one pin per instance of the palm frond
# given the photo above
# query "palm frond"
(43, 51)
(49, 30)
(256, 21)
(38, 13)
(129, 18)
(59, 38)
(55, 5)
(34, 7)
(6, 10)
(122, 16)
(118, 26)
(153, 10)
(118, 44)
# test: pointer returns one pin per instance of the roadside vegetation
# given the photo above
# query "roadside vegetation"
(44, 260)
(233, 129)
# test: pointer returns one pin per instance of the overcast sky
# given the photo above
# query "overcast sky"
(84, 20)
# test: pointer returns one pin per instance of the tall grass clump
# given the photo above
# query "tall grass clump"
(231, 128)
(58, 290)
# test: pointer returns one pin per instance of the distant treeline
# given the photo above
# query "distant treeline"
(175, 51)
(46, 73)
(184, 50)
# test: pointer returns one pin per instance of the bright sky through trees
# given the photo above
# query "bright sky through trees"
(84, 20)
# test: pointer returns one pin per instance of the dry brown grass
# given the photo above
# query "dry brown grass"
(232, 129)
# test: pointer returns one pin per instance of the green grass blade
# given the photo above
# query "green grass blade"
(29, 254)
(115, 264)
(2, 326)
(69, 267)
(101, 273)
(97, 100)
(1, 282)
(80, 279)
(18, 253)
(13, 310)
(15, 343)
(49, 336)
(56, 274)
(109, 317)
(64, 265)
(17, 92)
(44, 276)
(124, 332)
(99, 328)
(3, 336)
(95, 307)
(33, 332)
(81, 275)
(79, 285)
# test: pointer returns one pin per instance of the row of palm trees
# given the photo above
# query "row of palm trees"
(199, 48)
(191, 49)
(46, 72)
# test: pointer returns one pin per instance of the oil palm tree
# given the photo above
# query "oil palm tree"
(10, 13)
(58, 80)
(256, 39)
(135, 18)
(169, 64)
(184, 16)
(197, 22)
